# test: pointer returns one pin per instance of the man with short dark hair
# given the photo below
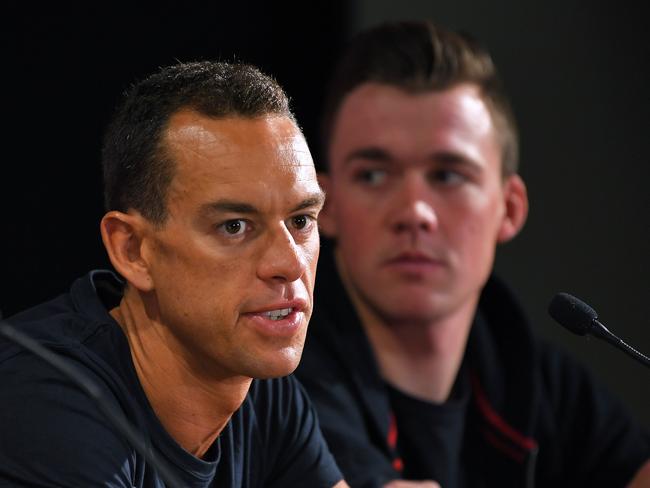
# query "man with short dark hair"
(419, 361)
(212, 201)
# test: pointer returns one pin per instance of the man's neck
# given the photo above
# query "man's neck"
(421, 360)
(192, 409)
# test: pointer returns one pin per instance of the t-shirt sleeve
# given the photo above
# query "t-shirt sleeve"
(52, 433)
(597, 440)
(297, 454)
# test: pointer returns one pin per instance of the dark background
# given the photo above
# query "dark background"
(577, 73)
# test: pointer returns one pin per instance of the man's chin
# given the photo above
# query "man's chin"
(277, 367)
(412, 309)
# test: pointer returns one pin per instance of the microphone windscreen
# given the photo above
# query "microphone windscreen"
(572, 313)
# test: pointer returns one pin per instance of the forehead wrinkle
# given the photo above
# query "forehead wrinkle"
(269, 158)
(293, 151)
(194, 140)
(205, 131)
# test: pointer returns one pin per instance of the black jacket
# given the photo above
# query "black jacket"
(536, 418)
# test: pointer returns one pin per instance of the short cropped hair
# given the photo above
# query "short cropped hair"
(417, 57)
(136, 165)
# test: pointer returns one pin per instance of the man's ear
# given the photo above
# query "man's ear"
(122, 234)
(516, 208)
(327, 217)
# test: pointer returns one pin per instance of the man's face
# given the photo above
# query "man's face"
(234, 264)
(416, 199)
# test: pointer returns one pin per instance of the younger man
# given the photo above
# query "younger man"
(420, 362)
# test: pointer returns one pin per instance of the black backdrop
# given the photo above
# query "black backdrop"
(576, 71)
(67, 69)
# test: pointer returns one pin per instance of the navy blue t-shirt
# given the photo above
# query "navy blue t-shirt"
(53, 434)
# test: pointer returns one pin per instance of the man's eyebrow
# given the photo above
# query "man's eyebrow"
(447, 157)
(454, 159)
(231, 206)
(314, 199)
(369, 153)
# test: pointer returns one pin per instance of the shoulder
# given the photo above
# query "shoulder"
(597, 440)
(47, 412)
(46, 416)
(586, 435)
(73, 317)
(569, 387)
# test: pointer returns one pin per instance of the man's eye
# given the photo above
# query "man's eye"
(372, 177)
(301, 222)
(235, 227)
(447, 177)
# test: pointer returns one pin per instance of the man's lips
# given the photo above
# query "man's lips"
(280, 319)
(296, 304)
(413, 263)
(412, 257)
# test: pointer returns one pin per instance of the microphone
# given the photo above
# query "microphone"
(115, 417)
(578, 317)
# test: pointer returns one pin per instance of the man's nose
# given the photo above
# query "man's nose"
(413, 207)
(283, 260)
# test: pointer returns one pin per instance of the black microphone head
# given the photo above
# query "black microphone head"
(572, 313)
